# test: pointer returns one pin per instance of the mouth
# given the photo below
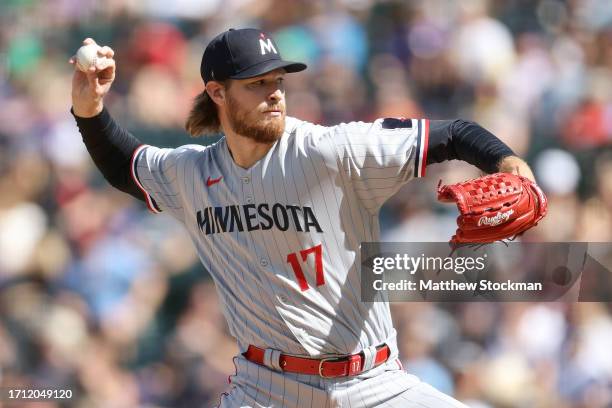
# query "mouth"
(273, 112)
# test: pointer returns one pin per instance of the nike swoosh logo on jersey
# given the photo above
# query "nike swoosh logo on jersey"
(210, 181)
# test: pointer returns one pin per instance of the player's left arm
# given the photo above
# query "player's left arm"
(468, 141)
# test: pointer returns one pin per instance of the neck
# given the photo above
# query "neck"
(245, 151)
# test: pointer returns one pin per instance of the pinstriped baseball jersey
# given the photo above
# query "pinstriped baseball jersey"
(281, 239)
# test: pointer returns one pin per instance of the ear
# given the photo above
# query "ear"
(216, 91)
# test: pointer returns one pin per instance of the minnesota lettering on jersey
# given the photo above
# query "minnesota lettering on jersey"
(250, 217)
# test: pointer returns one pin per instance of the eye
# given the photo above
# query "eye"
(261, 82)
(280, 80)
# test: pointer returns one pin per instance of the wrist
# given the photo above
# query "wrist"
(92, 125)
(516, 165)
(87, 112)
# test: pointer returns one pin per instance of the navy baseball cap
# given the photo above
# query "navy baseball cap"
(243, 53)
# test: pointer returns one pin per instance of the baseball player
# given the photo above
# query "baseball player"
(277, 209)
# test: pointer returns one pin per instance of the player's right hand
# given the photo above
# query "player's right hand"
(89, 88)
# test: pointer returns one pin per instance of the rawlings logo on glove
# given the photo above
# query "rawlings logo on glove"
(494, 207)
(498, 219)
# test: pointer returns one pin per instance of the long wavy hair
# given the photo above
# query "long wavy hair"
(203, 118)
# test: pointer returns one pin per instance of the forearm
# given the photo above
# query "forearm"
(111, 147)
(467, 141)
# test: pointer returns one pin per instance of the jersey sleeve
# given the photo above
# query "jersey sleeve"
(156, 173)
(378, 158)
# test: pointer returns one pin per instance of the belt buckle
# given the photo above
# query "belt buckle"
(353, 361)
(321, 361)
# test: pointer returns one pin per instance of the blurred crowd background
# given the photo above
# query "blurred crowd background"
(99, 296)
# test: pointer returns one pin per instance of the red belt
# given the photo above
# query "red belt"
(326, 367)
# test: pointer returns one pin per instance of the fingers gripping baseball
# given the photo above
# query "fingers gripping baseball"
(93, 76)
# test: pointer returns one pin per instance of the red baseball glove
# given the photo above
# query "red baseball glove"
(494, 207)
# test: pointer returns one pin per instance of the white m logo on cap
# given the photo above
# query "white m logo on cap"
(267, 46)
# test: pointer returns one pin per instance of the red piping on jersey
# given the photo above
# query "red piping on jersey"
(425, 141)
(229, 380)
(220, 398)
(229, 377)
(148, 199)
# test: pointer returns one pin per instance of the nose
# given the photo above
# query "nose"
(276, 95)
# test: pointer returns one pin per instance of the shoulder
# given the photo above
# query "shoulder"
(353, 130)
(192, 149)
(306, 134)
(170, 156)
(181, 150)
(303, 129)
(196, 151)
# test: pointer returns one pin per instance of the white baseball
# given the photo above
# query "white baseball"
(87, 56)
